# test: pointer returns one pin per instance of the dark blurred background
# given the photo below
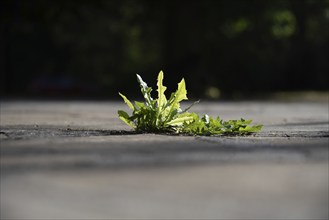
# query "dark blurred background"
(224, 49)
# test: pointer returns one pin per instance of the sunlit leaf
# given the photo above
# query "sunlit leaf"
(146, 91)
(139, 104)
(127, 101)
(162, 100)
(176, 98)
(181, 119)
(125, 118)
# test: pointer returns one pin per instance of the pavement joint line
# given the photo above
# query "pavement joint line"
(32, 132)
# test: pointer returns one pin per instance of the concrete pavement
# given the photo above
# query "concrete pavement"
(76, 160)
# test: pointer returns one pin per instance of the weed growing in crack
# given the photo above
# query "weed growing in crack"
(164, 115)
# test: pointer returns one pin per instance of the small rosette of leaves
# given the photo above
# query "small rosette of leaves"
(165, 115)
(208, 125)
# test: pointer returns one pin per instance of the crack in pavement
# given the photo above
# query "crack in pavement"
(40, 132)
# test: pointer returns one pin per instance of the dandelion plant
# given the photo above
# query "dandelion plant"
(164, 115)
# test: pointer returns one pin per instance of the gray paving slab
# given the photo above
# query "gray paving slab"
(76, 160)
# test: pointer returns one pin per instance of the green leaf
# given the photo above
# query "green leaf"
(181, 92)
(205, 118)
(127, 101)
(125, 118)
(187, 117)
(162, 100)
(139, 104)
(175, 98)
(251, 129)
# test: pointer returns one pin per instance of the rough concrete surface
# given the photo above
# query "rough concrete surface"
(76, 160)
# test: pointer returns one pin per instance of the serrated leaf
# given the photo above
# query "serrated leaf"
(215, 123)
(162, 100)
(176, 98)
(146, 91)
(130, 105)
(181, 92)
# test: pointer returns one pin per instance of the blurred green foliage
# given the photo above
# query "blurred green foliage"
(232, 46)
